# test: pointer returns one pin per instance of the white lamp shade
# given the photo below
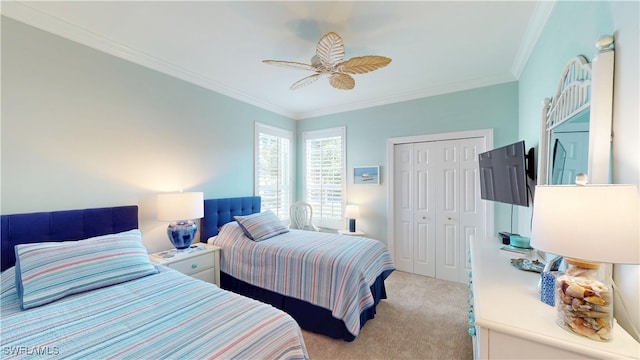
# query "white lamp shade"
(352, 211)
(180, 206)
(591, 222)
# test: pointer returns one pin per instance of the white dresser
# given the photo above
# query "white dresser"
(512, 323)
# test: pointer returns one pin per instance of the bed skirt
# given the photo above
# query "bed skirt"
(310, 317)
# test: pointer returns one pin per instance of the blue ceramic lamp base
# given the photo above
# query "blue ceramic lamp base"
(352, 225)
(181, 233)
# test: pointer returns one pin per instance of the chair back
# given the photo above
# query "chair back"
(301, 214)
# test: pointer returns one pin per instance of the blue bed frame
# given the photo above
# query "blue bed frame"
(218, 212)
(61, 226)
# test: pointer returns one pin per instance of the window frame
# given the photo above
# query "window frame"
(320, 134)
(261, 128)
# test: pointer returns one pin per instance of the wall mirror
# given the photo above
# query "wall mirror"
(576, 122)
(569, 145)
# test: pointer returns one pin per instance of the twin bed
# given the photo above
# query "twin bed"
(329, 283)
(126, 307)
(101, 297)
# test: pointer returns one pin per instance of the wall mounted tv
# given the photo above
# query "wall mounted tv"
(503, 174)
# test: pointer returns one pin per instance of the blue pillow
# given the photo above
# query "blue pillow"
(261, 226)
(49, 271)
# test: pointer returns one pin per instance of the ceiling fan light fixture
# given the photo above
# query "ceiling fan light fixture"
(329, 60)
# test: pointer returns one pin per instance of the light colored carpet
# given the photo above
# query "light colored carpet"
(422, 318)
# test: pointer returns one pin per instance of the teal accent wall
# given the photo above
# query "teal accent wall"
(572, 29)
(492, 107)
(82, 129)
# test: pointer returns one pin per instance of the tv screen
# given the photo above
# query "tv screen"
(503, 175)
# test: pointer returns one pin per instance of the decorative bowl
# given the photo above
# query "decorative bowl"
(520, 242)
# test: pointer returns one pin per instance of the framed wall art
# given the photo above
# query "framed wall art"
(366, 175)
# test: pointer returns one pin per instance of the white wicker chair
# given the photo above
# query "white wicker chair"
(301, 214)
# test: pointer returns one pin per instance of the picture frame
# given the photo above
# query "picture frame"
(366, 175)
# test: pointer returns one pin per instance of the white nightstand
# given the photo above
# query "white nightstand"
(355, 233)
(201, 261)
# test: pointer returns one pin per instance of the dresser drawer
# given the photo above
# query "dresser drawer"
(194, 264)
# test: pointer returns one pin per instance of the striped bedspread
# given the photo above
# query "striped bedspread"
(331, 271)
(162, 316)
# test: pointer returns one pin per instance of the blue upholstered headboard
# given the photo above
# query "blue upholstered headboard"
(218, 212)
(61, 226)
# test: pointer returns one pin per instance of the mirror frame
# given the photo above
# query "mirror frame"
(583, 86)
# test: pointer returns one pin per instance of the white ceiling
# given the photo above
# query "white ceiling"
(436, 46)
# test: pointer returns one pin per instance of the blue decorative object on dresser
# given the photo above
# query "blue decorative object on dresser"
(548, 288)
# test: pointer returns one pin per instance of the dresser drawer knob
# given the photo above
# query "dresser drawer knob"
(193, 266)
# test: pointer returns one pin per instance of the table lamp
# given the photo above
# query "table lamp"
(181, 208)
(588, 225)
(352, 212)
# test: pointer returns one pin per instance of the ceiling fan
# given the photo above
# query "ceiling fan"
(329, 61)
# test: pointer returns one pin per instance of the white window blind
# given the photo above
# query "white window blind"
(324, 154)
(273, 159)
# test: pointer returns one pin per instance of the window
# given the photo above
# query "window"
(325, 175)
(273, 161)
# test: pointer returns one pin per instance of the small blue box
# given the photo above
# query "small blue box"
(548, 288)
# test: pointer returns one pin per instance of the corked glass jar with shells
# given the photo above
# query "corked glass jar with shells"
(584, 300)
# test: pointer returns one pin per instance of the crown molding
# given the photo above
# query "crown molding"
(22, 12)
(412, 95)
(534, 30)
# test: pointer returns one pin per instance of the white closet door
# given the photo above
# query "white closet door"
(472, 211)
(424, 219)
(448, 210)
(437, 206)
(459, 212)
(403, 205)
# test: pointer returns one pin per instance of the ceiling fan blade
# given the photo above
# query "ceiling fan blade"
(330, 49)
(291, 65)
(304, 81)
(363, 64)
(342, 81)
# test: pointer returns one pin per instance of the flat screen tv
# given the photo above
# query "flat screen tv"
(503, 174)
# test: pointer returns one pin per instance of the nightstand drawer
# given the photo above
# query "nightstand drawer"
(193, 264)
(208, 275)
(200, 261)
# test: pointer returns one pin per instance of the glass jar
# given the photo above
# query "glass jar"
(584, 300)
